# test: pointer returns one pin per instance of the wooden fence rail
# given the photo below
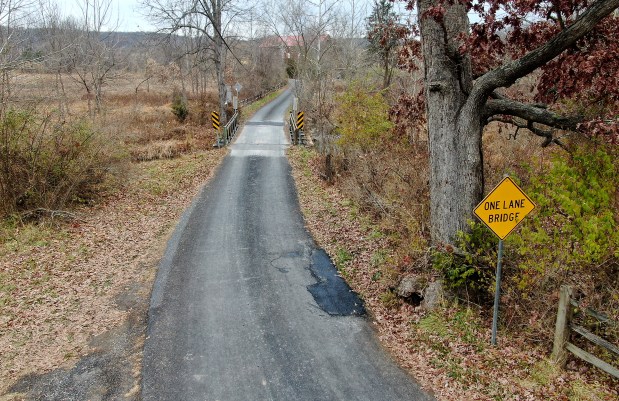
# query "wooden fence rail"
(564, 327)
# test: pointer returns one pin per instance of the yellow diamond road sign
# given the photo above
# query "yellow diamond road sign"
(504, 208)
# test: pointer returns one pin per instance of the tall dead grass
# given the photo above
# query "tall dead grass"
(391, 185)
(51, 158)
(49, 164)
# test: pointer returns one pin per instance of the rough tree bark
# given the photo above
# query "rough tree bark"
(456, 174)
(220, 61)
(458, 107)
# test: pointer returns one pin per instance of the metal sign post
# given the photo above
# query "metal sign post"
(497, 293)
(228, 94)
(235, 103)
(502, 210)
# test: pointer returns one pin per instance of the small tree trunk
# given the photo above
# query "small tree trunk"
(386, 70)
(329, 168)
(62, 112)
(98, 96)
(221, 83)
(89, 99)
(456, 174)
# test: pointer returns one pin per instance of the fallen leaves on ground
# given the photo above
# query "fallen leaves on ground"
(447, 351)
(65, 285)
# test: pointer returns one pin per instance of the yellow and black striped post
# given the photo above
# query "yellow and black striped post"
(300, 120)
(215, 120)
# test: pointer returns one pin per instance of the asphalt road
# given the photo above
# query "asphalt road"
(245, 308)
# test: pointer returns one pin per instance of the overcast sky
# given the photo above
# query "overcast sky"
(127, 12)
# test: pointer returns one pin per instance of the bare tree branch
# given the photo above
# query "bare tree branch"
(530, 113)
(529, 125)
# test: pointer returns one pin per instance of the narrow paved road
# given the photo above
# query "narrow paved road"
(245, 308)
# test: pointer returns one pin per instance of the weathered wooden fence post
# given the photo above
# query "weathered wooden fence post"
(562, 327)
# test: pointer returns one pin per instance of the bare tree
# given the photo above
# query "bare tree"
(59, 36)
(318, 36)
(349, 32)
(13, 16)
(94, 57)
(204, 24)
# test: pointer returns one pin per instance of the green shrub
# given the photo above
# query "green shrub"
(47, 165)
(179, 106)
(576, 223)
(362, 118)
(389, 299)
(470, 267)
(342, 257)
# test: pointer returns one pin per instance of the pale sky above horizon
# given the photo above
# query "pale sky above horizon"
(131, 18)
(127, 12)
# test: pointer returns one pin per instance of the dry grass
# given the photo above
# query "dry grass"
(161, 150)
(505, 152)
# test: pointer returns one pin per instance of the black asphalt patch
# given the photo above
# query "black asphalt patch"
(332, 293)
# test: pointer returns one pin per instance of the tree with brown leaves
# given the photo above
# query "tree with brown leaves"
(570, 45)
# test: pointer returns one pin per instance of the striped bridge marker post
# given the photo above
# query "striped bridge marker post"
(217, 125)
(215, 120)
(300, 120)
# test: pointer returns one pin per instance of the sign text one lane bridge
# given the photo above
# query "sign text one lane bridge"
(504, 208)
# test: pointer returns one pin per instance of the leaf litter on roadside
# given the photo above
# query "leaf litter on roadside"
(60, 291)
(448, 351)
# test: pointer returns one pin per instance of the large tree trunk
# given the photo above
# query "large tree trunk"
(221, 82)
(220, 63)
(456, 173)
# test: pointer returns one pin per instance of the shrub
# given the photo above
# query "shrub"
(470, 268)
(576, 224)
(47, 165)
(362, 118)
(382, 171)
(179, 106)
(571, 238)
